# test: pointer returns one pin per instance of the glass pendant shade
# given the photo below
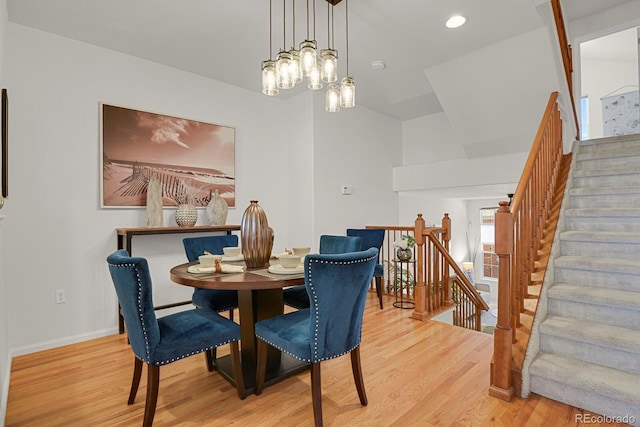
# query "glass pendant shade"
(284, 71)
(347, 92)
(269, 81)
(329, 61)
(332, 103)
(307, 56)
(295, 68)
(315, 80)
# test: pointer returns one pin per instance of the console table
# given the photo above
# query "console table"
(125, 237)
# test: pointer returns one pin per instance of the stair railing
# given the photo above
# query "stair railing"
(519, 229)
(567, 57)
(435, 288)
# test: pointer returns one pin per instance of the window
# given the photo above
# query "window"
(487, 239)
(584, 117)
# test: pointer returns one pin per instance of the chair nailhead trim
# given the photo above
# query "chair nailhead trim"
(315, 299)
(144, 330)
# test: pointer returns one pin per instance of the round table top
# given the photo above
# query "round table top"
(249, 279)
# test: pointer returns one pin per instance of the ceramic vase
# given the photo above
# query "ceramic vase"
(256, 236)
(186, 215)
(154, 203)
(404, 254)
(217, 210)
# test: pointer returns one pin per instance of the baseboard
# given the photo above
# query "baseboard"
(5, 390)
(19, 351)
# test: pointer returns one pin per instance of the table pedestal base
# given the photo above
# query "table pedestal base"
(288, 367)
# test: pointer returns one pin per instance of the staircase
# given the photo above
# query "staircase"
(584, 348)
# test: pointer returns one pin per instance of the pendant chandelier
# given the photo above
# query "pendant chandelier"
(292, 66)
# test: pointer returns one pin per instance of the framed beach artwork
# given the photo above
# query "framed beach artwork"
(191, 159)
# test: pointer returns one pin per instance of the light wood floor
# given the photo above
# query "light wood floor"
(416, 374)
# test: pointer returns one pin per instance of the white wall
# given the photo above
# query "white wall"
(433, 209)
(355, 147)
(56, 86)
(604, 78)
(437, 144)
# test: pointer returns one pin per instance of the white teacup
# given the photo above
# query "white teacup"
(289, 261)
(302, 250)
(231, 251)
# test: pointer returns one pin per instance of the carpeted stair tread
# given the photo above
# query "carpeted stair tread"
(598, 264)
(587, 376)
(603, 212)
(615, 337)
(596, 295)
(599, 172)
(605, 191)
(622, 237)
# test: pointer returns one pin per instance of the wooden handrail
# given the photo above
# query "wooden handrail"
(519, 230)
(434, 280)
(567, 57)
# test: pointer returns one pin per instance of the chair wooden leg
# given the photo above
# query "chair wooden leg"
(261, 369)
(153, 380)
(137, 373)
(236, 364)
(210, 356)
(357, 375)
(231, 314)
(379, 289)
(316, 393)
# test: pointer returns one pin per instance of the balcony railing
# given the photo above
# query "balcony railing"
(433, 281)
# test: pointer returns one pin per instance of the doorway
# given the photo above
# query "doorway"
(610, 100)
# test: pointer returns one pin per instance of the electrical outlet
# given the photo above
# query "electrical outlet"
(60, 297)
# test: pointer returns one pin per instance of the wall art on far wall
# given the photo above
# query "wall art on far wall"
(190, 158)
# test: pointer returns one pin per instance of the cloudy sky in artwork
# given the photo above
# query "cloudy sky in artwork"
(141, 136)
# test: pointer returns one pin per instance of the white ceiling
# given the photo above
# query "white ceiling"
(227, 40)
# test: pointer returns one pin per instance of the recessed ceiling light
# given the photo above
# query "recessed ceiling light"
(455, 21)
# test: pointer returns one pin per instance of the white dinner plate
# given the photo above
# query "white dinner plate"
(278, 269)
(195, 269)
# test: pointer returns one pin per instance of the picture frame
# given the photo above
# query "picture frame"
(5, 144)
(190, 158)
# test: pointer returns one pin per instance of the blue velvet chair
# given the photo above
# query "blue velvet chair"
(160, 341)
(213, 299)
(331, 327)
(372, 238)
(296, 296)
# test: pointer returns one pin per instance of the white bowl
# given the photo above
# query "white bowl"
(289, 261)
(231, 251)
(302, 251)
(208, 260)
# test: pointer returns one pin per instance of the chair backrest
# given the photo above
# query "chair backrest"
(132, 281)
(195, 246)
(337, 285)
(371, 237)
(339, 244)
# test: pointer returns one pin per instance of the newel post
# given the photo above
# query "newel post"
(501, 374)
(446, 237)
(419, 294)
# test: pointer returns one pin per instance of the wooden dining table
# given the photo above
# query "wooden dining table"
(259, 298)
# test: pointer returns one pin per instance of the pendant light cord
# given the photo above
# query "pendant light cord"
(270, 28)
(346, 11)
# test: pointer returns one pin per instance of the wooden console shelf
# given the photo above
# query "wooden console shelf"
(125, 236)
